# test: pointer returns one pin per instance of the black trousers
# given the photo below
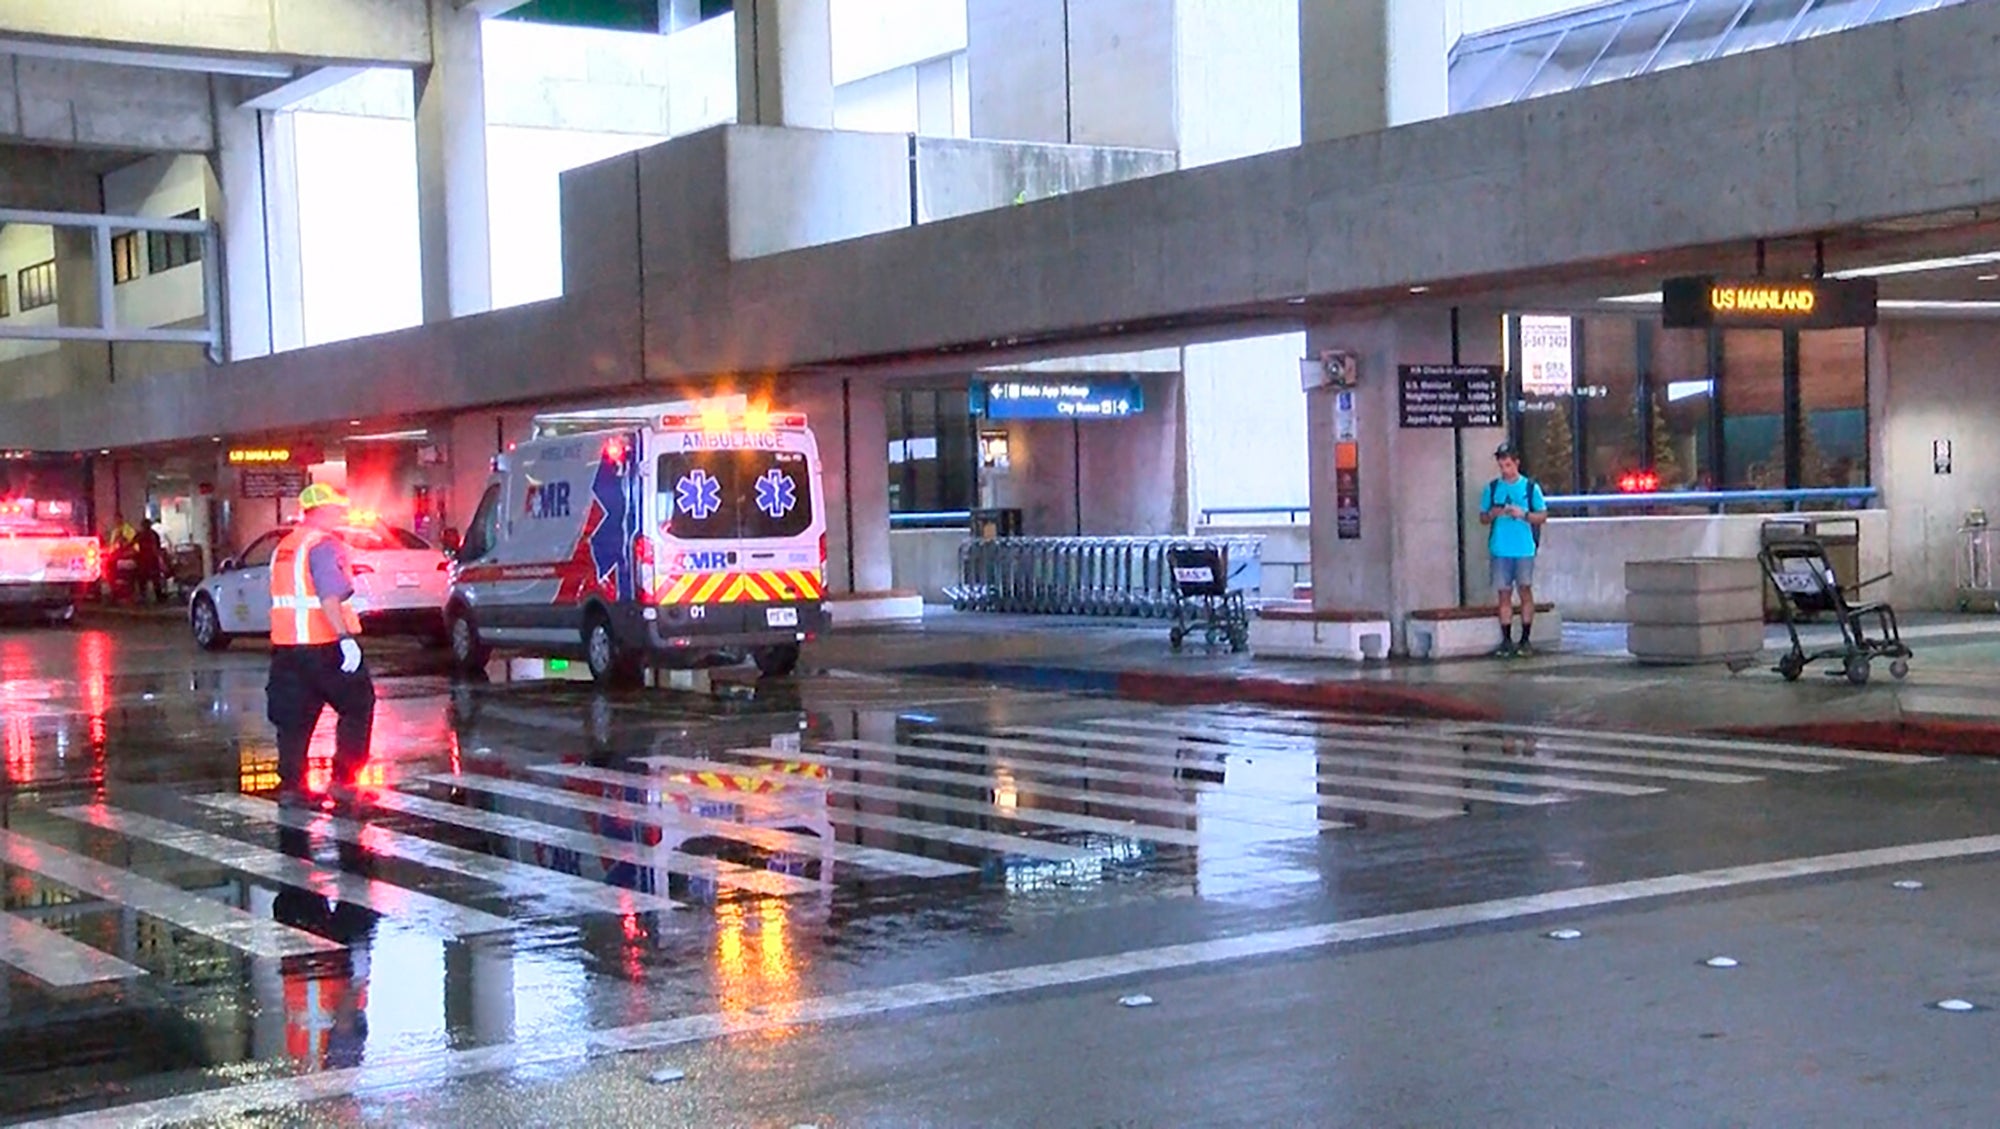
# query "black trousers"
(304, 681)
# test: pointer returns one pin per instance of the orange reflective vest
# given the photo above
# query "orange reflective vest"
(297, 620)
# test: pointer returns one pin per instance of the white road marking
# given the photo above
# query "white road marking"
(1322, 799)
(890, 862)
(726, 874)
(192, 912)
(1618, 763)
(420, 910)
(989, 809)
(1366, 783)
(1456, 737)
(56, 959)
(429, 1071)
(557, 892)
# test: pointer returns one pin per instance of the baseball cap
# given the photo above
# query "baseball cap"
(1506, 451)
(320, 494)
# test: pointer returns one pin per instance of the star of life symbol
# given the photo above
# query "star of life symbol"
(775, 494)
(698, 495)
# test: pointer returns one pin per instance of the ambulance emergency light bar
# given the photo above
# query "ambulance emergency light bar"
(557, 424)
(717, 422)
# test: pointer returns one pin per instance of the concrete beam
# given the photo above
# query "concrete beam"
(1688, 166)
(373, 32)
(300, 87)
(66, 102)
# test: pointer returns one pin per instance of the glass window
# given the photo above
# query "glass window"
(125, 257)
(921, 452)
(1683, 394)
(5, 309)
(958, 451)
(259, 553)
(38, 286)
(166, 250)
(1510, 73)
(1833, 15)
(1573, 58)
(1896, 9)
(1753, 409)
(1608, 388)
(1699, 33)
(719, 495)
(1634, 44)
(484, 528)
(1543, 351)
(1833, 407)
(381, 539)
(1764, 24)
(933, 452)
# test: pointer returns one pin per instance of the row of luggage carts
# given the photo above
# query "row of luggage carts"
(1124, 577)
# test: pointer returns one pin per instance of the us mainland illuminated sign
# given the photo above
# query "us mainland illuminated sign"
(1704, 302)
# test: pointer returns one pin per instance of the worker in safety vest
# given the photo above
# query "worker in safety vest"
(315, 652)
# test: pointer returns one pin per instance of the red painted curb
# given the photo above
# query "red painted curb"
(1353, 697)
(1930, 737)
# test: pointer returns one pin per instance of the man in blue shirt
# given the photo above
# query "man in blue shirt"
(1513, 507)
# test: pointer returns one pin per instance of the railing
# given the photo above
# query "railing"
(1099, 576)
(1291, 513)
(1715, 501)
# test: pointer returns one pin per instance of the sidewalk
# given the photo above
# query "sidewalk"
(1950, 703)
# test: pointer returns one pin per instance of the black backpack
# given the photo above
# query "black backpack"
(1534, 492)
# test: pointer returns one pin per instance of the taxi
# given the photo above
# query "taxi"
(400, 585)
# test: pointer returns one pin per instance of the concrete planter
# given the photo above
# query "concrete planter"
(1694, 610)
(1302, 633)
(1458, 633)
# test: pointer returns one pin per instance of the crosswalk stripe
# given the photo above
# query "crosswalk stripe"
(990, 809)
(192, 912)
(1455, 749)
(1455, 738)
(1178, 808)
(1625, 736)
(921, 829)
(727, 874)
(1322, 799)
(421, 910)
(56, 959)
(1093, 773)
(559, 892)
(889, 862)
(1340, 780)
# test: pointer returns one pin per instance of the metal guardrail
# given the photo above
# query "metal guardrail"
(931, 519)
(1718, 501)
(1126, 577)
(1291, 514)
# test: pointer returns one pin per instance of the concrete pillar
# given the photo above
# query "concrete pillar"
(78, 303)
(1366, 65)
(258, 211)
(453, 226)
(784, 63)
(1100, 72)
(1412, 515)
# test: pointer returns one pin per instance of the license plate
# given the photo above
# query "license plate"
(781, 617)
(407, 580)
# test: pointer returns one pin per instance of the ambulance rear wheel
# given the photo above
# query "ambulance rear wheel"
(776, 662)
(468, 653)
(610, 665)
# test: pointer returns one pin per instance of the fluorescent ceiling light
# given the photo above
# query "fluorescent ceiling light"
(1918, 266)
(390, 437)
(1914, 306)
(1636, 299)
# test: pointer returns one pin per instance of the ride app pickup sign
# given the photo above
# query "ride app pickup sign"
(1449, 395)
(1057, 399)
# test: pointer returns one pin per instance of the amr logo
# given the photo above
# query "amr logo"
(547, 500)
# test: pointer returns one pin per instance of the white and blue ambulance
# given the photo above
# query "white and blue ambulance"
(674, 536)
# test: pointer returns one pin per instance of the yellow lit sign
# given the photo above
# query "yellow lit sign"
(1729, 298)
(240, 456)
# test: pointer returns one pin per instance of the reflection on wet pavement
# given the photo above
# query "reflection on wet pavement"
(544, 859)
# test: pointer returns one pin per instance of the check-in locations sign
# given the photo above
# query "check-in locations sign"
(1448, 395)
(1703, 302)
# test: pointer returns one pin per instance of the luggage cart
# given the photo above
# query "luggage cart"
(1804, 581)
(1204, 598)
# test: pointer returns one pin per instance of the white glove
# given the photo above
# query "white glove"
(350, 655)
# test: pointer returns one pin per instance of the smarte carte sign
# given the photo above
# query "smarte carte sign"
(1702, 302)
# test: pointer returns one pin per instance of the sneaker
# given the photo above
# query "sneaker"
(348, 798)
(1505, 650)
(1525, 650)
(295, 799)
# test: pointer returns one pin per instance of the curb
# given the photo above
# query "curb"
(1911, 735)
(1186, 689)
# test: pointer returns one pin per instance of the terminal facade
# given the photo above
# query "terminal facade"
(377, 238)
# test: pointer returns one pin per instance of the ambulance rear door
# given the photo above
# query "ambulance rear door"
(535, 587)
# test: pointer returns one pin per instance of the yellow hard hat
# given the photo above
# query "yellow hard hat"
(320, 494)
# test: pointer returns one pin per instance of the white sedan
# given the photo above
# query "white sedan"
(400, 582)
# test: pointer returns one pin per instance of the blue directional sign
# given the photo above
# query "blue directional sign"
(1048, 398)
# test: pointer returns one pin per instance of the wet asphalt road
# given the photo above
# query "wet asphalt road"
(553, 868)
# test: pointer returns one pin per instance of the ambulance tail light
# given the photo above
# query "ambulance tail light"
(93, 561)
(822, 553)
(642, 559)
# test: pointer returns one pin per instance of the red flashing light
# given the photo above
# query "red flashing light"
(1638, 482)
(364, 570)
(615, 449)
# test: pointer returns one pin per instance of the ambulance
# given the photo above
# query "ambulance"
(682, 535)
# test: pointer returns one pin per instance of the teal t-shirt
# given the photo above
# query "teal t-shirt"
(1511, 536)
